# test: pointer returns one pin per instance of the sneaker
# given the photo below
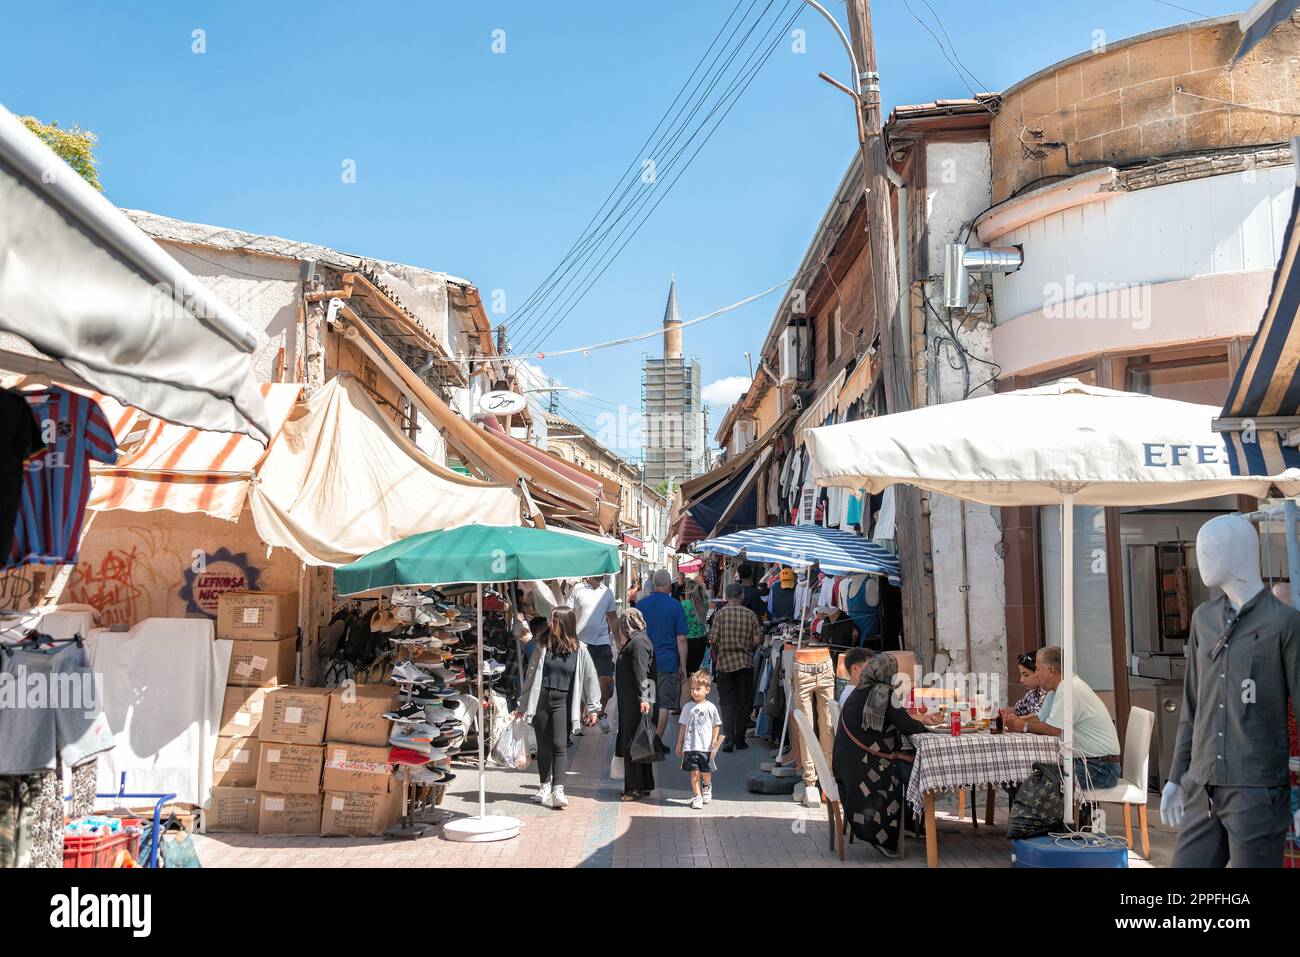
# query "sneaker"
(491, 667)
(543, 795)
(409, 713)
(707, 794)
(558, 800)
(697, 802)
(604, 723)
(727, 748)
(578, 733)
(741, 745)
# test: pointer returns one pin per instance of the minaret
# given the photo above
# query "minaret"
(672, 324)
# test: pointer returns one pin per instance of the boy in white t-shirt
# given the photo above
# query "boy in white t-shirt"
(698, 736)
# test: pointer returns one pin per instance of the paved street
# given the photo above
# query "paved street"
(737, 830)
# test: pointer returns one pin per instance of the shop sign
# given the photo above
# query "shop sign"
(501, 402)
(210, 576)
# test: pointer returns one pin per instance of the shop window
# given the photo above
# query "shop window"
(1203, 380)
(1092, 648)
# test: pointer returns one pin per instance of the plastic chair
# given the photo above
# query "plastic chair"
(1132, 786)
(835, 709)
(830, 793)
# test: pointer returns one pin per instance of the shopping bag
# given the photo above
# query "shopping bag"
(1039, 806)
(511, 749)
(707, 664)
(616, 768)
(641, 749)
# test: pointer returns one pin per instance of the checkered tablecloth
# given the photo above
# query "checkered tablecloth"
(944, 762)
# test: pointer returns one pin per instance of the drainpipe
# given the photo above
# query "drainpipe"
(904, 279)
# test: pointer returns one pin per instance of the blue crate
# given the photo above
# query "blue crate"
(1049, 852)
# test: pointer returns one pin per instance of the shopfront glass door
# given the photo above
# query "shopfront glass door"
(1092, 646)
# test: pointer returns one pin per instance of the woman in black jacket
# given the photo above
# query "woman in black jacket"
(634, 689)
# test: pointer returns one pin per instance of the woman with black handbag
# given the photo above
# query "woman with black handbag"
(634, 689)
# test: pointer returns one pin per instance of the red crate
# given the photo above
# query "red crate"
(98, 850)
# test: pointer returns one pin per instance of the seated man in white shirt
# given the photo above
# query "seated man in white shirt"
(1096, 745)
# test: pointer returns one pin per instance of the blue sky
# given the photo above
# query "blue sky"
(488, 165)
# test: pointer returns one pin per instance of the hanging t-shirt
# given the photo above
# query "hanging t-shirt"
(20, 440)
(56, 485)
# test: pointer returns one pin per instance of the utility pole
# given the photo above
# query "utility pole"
(885, 286)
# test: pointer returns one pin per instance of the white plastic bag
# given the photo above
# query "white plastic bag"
(511, 749)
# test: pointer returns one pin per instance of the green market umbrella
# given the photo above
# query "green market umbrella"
(480, 554)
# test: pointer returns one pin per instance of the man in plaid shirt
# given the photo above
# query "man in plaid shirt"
(733, 635)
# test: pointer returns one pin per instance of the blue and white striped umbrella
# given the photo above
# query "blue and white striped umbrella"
(837, 552)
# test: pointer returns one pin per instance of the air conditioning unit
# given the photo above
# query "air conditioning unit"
(796, 357)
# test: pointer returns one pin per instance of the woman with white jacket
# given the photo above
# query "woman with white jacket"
(561, 692)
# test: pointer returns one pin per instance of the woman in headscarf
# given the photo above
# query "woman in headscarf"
(634, 693)
(869, 762)
(696, 604)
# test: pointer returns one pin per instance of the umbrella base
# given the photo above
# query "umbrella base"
(493, 827)
(407, 832)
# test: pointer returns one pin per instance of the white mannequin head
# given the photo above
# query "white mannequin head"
(1227, 551)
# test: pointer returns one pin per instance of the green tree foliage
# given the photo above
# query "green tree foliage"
(74, 146)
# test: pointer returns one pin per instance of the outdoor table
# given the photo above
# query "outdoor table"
(944, 762)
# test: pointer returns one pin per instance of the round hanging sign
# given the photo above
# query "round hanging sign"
(501, 402)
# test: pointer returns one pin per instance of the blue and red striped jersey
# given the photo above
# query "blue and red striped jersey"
(56, 485)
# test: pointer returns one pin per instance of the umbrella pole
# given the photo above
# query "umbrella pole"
(482, 776)
(1067, 649)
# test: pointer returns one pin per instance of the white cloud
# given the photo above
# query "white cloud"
(726, 391)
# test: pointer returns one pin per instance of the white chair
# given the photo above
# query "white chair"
(1132, 786)
(830, 793)
(835, 714)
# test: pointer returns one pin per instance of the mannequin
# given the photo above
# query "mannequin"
(1229, 786)
(812, 680)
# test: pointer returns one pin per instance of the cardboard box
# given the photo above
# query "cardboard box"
(358, 813)
(357, 714)
(234, 764)
(231, 809)
(357, 767)
(290, 768)
(264, 615)
(295, 715)
(288, 813)
(241, 713)
(262, 664)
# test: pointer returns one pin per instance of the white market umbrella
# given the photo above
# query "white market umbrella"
(1060, 444)
(85, 286)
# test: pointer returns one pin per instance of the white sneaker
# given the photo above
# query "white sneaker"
(543, 795)
(707, 795)
(604, 723)
(558, 800)
(697, 802)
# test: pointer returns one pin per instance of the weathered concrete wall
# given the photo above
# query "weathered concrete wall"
(969, 591)
(137, 565)
(1155, 95)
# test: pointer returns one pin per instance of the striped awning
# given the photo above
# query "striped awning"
(179, 469)
(821, 408)
(835, 551)
(1261, 417)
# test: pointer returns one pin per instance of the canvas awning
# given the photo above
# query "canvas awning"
(858, 382)
(821, 408)
(176, 468)
(342, 480)
(733, 504)
(83, 285)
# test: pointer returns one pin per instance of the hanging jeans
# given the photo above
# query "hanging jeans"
(735, 692)
(20, 795)
(809, 681)
(551, 722)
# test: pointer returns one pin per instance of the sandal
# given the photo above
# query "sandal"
(629, 797)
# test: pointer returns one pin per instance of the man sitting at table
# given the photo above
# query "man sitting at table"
(1096, 745)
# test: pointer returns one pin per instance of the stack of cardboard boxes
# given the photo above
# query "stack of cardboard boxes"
(262, 629)
(295, 760)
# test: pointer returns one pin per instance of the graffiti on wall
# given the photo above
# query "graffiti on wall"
(109, 586)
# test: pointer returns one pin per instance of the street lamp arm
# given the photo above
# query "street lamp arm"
(848, 47)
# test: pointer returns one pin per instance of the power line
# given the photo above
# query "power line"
(585, 246)
(745, 80)
(631, 166)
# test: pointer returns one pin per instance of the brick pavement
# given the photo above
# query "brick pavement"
(737, 829)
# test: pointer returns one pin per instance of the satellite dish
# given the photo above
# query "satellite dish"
(501, 402)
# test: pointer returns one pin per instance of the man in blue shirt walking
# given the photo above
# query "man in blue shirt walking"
(665, 621)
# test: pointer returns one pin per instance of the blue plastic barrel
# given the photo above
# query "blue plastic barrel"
(1050, 852)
